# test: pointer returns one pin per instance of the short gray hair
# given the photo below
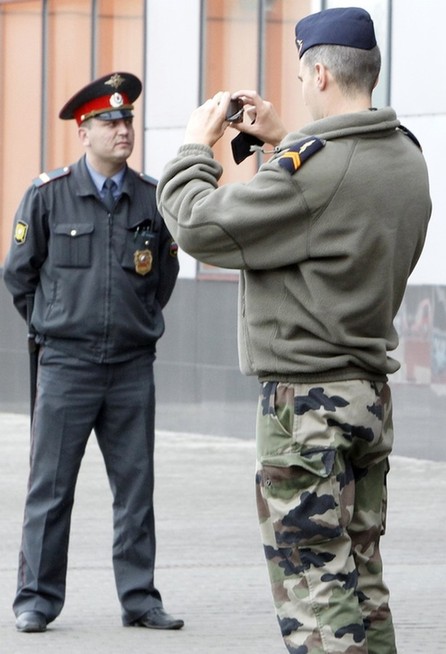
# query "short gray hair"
(355, 70)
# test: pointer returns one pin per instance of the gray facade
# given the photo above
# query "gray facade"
(200, 388)
(196, 359)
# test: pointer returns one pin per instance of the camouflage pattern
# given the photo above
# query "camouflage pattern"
(322, 453)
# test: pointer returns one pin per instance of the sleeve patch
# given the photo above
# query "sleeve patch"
(173, 250)
(293, 158)
(20, 232)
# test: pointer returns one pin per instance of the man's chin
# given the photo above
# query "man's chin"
(122, 154)
(124, 148)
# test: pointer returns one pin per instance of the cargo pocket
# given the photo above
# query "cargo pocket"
(72, 245)
(303, 498)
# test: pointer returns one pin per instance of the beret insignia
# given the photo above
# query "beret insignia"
(297, 154)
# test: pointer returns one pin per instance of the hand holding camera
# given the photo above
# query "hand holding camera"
(263, 121)
(234, 113)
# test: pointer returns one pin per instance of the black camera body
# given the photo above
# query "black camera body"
(234, 113)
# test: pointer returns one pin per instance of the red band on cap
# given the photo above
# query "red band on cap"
(94, 107)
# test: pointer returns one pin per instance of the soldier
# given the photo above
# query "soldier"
(325, 235)
(91, 247)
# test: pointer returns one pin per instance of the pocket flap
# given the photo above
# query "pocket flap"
(74, 229)
(319, 460)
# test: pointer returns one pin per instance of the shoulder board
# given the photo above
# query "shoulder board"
(411, 135)
(298, 153)
(44, 178)
(148, 179)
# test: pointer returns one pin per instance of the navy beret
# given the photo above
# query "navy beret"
(349, 26)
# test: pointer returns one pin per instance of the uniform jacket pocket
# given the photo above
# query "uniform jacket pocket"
(72, 245)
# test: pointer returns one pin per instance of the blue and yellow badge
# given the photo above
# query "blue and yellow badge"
(293, 158)
(21, 230)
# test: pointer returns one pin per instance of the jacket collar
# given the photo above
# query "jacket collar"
(85, 187)
(85, 184)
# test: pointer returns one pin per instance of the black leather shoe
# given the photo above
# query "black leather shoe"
(31, 621)
(157, 618)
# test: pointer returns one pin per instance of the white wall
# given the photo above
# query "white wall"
(419, 96)
(171, 84)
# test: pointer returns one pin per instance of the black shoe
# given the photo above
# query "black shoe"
(31, 621)
(157, 618)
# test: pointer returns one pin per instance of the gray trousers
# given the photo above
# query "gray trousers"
(117, 401)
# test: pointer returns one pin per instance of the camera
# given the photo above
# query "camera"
(234, 113)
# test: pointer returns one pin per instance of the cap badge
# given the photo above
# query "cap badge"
(299, 44)
(115, 80)
(116, 100)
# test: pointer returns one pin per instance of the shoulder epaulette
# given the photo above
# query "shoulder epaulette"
(294, 156)
(148, 179)
(411, 135)
(44, 178)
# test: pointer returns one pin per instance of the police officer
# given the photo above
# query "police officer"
(91, 248)
(325, 235)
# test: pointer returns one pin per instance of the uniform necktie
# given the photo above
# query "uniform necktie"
(109, 198)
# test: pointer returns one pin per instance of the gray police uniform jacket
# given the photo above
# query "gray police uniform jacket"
(100, 280)
(326, 235)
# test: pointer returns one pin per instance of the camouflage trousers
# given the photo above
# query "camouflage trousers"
(322, 452)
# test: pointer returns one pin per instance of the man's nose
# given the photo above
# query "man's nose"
(123, 126)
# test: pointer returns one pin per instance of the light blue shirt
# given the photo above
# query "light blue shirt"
(99, 179)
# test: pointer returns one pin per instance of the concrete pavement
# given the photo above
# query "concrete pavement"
(210, 567)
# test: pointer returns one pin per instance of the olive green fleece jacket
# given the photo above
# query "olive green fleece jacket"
(325, 252)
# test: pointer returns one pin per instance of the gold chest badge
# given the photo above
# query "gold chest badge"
(143, 261)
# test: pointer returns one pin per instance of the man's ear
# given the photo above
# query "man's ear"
(84, 137)
(321, 75)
